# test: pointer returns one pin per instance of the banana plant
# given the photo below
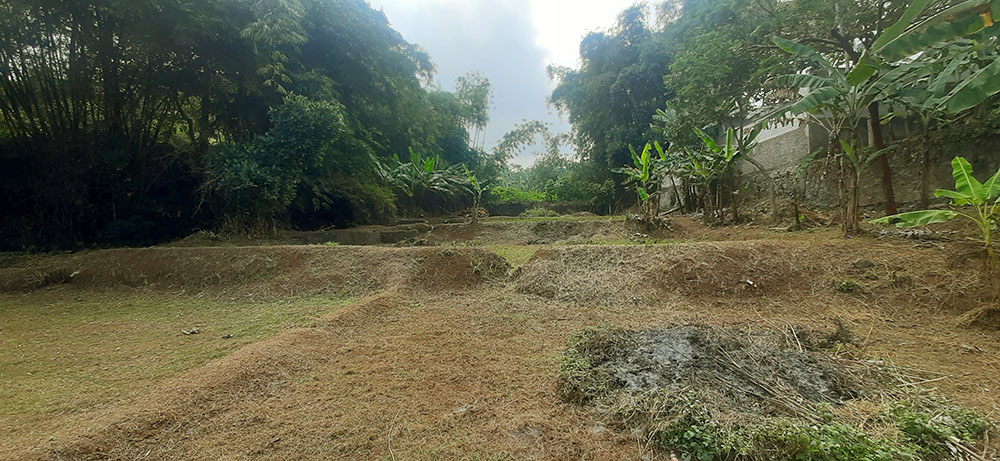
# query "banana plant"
(858, 159)
(477, 188)
(838, 106)
(904, 39)
(423, 179)
(705, 166)
(981, 202)
(644, 176)
(926, 89)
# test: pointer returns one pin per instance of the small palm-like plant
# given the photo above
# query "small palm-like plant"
(644, 176)
(981, 202)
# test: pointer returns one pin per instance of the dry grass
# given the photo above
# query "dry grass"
(461, 359)
(65, 352)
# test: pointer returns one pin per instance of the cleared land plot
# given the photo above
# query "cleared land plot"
(447, 351)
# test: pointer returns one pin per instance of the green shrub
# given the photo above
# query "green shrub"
(514, 195)
(539, 212)
(255, 183)
(849, 285)
(931, 429)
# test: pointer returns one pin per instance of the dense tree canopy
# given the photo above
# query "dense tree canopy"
(611, 98)
(127, 120)
(137, 121)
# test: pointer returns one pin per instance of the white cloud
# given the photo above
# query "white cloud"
(509, 41)
(562, 24)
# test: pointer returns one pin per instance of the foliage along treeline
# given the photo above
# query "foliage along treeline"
(667, 73)
(133, 121)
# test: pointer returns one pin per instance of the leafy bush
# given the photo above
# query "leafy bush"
(342, 201)
(539, 212)
(255, 183)
(509, 194)
(931, 432)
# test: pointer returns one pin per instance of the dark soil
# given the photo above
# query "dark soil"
(741, 372)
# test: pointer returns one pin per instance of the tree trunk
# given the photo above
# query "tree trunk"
(841, 184)
(707, 213)
(925, 173)
(851, 219)
(475, 210)
(772, 187)
(734, 196)
(677, 194)
(798, 220)
(878, 142)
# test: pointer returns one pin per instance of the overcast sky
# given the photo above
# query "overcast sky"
(508, 41)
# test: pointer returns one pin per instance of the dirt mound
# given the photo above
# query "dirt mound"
(179, 407)
(251, 373)
(633, 274)
(530, 232)
(260, 271)
(709, 393)
(748, 269)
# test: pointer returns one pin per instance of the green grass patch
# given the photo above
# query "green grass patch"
(555, 218)
(644, 241)
(848, 285)
(516, 255)
(66, 351)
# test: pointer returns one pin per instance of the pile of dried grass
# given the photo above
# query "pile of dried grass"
(719, 394)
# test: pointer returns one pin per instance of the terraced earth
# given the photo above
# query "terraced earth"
(446, 351)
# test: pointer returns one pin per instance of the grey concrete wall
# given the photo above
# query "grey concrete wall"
(782, 149)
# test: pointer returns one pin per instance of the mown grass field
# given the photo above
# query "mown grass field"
(63, 351)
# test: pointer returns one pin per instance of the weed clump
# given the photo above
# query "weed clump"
(849, 285)
(713, 394)
(539, 212)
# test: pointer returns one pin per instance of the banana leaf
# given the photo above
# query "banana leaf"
(993, 186)
(814, 100)
(975, 89)
(868, 64)
(804, 81)
(966, 18)
(957, 198)
(709, 142)
(965, 183)
(806, 52)
(917, 218)
(635, 157)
